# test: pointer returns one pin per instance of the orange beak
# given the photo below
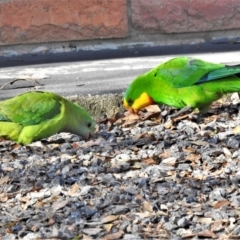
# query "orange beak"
(131, 110)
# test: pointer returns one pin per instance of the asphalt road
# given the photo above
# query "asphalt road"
(90, 77)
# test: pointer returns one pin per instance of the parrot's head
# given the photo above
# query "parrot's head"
(89, 129)
(136, 96)
(86, 125)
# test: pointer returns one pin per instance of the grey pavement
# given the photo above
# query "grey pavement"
(91, 77)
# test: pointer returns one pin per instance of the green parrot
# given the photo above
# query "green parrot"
(35, 115)
(183, 83)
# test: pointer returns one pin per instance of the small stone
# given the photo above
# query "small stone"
(235, 201)
(120, 210)
(183, 222)
(169, 226)
(223, 136)
(218, 194)
(131, 237)
(236, 231)
(232, 143)
(10, 237)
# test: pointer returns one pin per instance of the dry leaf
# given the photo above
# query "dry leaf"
(136, 166)
(92, 231)
(72, 191)
(171, 173)
(189, 149)
(211, 118)
(227, 152)
(147, 206)
(54, 146)
(207, 233)
(86, 237)
(149, 136)
(39, 204)
(161, 213)
(4, 180)
(188, 235)
(91, 143)
(150, 161)
(221, 203)
(108, 227)
(193, 157)
(236, 130)
(233, 237)
(15, 145)
(109, 218)
(51, 221)
(205, 220)
(219, 225)
(67, 156)
(24, 199)
(182, 117)
(200, 177)
(76, 145)
(118, 122)
(169, 161)
(85, 190)
(34, 228)
(3, 197)
(153, 108)
(59, 204)
(218, 172)
(165, 154)
(25, 206)
(158, 180)
(113, 236)
(168, 125)
(150, 115)
(144, 215)
(8, 230)
(129, 123)
(200, 143)
(8, 169)
(133, 116)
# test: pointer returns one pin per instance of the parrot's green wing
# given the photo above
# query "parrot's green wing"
(30, 108)
(220, 73)
(184, 71)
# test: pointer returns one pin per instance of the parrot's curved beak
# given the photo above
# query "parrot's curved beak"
(87, 136)
(132, 111)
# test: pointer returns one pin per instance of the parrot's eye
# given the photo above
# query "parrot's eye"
(89, 125)
(130, 102)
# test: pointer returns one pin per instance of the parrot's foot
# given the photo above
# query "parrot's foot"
(181, 112)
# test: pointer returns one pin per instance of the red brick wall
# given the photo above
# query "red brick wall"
(31, 21)
(180, 16)
(37, 21)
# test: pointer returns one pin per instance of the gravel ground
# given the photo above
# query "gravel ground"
(139, 177)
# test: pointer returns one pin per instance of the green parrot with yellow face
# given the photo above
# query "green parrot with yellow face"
(182, 82)
(35, 115)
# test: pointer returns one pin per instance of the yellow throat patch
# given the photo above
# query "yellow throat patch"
(141, 102)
